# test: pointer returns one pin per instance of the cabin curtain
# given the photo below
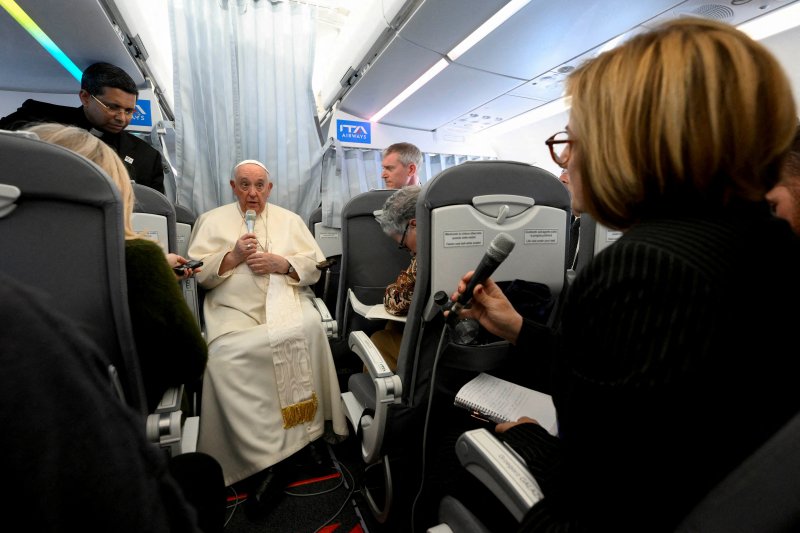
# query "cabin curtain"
(242, 81)
(347, 172)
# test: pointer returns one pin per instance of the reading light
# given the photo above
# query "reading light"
(27, 23)
(542, 112)
(776, 21)
(472, 39)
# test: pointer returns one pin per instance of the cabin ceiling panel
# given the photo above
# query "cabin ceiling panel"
(519, 66)
(523, 55)
(543, 35)
(397, 67)
(428, 29)
(491, 113)
(446, 96)
(79, 28)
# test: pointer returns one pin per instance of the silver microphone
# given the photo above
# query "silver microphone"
(250, 220)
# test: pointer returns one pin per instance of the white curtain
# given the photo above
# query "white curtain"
(242, 80)
(347, 172)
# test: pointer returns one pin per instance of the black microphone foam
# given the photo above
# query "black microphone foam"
(497, 252)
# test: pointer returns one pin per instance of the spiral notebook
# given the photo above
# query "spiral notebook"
(502, 401)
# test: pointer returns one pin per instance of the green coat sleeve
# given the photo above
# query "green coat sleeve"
(169, 342)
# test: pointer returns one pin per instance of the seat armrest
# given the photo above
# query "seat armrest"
(164, 429)
(363, 347)
(328, 322)
(501, 469)
(166, 425)
(388, 390)
(171, 400)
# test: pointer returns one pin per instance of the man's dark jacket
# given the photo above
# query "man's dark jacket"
(142, 160)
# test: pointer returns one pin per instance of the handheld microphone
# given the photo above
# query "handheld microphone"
(250, 220)
(497, 252)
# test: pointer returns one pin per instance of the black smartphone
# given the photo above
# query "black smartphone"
(189, 264)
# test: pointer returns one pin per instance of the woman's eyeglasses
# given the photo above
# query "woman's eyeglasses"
(561, 158)
(402, 243)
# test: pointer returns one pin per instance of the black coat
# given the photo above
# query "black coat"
(142, 161)
(671, 367)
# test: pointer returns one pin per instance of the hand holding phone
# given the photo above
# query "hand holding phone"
(181, 269)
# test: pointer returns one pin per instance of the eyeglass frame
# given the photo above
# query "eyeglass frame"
(108, 109)
(557, 159)
(402, 244)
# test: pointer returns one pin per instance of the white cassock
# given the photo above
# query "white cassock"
(259, 327)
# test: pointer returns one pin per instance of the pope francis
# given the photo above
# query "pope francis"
(270, 383)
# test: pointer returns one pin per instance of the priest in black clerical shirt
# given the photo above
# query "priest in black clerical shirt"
(108, 100)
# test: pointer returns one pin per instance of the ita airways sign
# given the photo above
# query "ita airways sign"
(141, 114)
(352, 131)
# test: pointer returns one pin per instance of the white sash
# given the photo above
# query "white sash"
(291, 358)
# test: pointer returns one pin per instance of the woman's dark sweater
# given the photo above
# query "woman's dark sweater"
(669, 369)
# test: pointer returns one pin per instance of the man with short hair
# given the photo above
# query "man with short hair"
(108, 100)
(400, 164)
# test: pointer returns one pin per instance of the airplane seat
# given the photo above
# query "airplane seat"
(369, 262)
(459, 212)
(156, 217)
(57, 206)
(761, 494)
(330, 242)
(314, 217)
(592, 239)
(184, 221)
(192, 292)
(455, 517)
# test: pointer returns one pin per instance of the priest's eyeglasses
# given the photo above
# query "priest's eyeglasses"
(113, 109)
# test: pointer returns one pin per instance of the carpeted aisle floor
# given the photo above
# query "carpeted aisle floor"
(320, 498)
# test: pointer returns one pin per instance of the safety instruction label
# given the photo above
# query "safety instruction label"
(541, 236)
(454, 239)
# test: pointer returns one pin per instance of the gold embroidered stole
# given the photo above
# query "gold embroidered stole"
(290, 353)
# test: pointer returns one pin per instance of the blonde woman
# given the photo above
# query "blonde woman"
(668, 367)
(169, 343)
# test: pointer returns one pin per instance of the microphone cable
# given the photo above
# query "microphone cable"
(439, 350)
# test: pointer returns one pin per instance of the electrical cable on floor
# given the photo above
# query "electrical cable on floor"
(234, 506)
(326, 491)
(347, 499)
(425, 427)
